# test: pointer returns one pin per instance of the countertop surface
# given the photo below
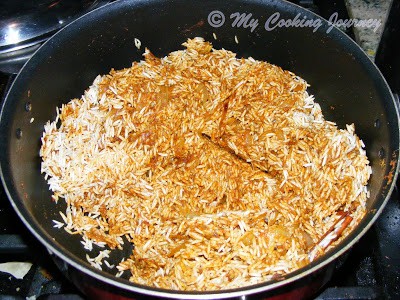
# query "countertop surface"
(368, 37)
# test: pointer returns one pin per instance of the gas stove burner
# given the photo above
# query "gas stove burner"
(25, 25)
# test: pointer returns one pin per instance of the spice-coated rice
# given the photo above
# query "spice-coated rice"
(222, 171)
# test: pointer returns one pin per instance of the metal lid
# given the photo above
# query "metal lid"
(24, 20)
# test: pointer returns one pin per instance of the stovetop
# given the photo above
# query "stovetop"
(371, 270)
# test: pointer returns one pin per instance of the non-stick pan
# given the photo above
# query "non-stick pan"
(345, 82)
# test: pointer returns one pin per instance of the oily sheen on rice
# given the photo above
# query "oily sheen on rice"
(222, 171)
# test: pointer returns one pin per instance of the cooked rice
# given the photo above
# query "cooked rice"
(221, 171)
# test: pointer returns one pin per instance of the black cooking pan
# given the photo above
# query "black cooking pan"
(345, 82)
